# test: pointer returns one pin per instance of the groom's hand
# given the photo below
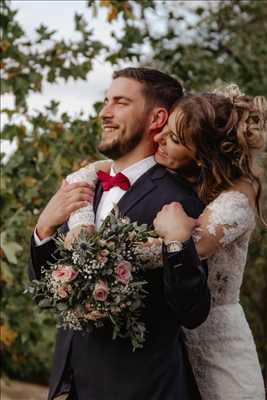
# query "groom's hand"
(69, 197)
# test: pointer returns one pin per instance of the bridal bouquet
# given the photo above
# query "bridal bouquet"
(99, 278)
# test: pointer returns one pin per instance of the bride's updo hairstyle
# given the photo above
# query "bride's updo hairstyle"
(227, 129)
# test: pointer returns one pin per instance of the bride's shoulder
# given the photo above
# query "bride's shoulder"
(243, 193)
(245, 187)
(227, 217)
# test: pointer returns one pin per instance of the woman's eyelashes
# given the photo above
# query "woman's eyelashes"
(174, 137)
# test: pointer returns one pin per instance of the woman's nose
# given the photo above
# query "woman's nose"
(159, 137)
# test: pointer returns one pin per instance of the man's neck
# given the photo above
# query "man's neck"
(139, 153)
(121, 164)
(128, 160)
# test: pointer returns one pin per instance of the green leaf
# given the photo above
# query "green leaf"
(45, 303)
(62, 306)
(9, 131)
(6, 273)
(10, 248)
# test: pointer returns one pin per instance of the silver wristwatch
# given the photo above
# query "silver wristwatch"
(173, 246)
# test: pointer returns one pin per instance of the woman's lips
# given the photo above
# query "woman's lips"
(162, 153)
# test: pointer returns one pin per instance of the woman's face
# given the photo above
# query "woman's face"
(171, 152)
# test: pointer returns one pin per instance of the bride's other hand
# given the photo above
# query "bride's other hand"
(172, 223)
(69, 198)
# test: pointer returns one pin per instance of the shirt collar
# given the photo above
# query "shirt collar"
(134, 171)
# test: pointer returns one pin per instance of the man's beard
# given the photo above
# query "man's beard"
(121, 146)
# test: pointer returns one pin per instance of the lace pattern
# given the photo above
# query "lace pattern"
(233, 212)
(223, 356)
(222, 351)
(84, 215)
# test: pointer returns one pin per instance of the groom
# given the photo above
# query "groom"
(93, 366)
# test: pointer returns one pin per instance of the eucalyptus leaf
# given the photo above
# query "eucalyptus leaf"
(45, 303)
(10, 248)
(62, 306)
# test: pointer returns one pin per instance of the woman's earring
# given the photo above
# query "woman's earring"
(199, 164)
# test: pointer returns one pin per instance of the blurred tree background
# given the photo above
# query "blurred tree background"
(204, 44)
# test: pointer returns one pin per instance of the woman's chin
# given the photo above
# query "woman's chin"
(161, 160)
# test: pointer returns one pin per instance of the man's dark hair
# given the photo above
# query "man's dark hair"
(158, 88)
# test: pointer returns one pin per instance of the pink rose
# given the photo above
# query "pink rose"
(104, 252)
(62, 292)
(123, 271)
(103, 256)
(101, 291)
(64, 273)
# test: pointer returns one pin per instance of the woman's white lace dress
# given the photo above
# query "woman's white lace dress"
(222, 350)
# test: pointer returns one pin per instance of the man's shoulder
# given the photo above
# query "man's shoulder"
(169, 187)
(166, 178)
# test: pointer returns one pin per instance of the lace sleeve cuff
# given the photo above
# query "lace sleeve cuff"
(84, 215)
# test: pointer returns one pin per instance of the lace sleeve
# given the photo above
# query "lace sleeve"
(84, 215)
(224, 220)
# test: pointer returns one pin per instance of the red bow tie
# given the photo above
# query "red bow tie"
(108, 181)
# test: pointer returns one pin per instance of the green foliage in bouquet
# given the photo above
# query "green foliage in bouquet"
(98, 279)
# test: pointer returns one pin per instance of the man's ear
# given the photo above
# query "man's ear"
(159, 117)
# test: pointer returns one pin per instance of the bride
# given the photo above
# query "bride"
(211, 140)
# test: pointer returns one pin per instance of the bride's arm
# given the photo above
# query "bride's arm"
(85, 215)
(229, 216)
(103, 165)
(224, 220)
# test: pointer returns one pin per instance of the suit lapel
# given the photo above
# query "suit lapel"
(97, 196)
(141, 188)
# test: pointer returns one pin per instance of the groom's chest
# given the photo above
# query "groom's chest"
(136, 203)
(139, 205)
(144, 199)
(106, 203)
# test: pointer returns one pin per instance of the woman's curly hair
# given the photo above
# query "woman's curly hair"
(226, 129)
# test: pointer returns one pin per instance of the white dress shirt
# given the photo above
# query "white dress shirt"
(113, 195)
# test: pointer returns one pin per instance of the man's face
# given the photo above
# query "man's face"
(123, 118)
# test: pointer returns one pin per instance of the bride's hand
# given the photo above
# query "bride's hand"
(172, 223)
(69, 198)
(103, 165)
